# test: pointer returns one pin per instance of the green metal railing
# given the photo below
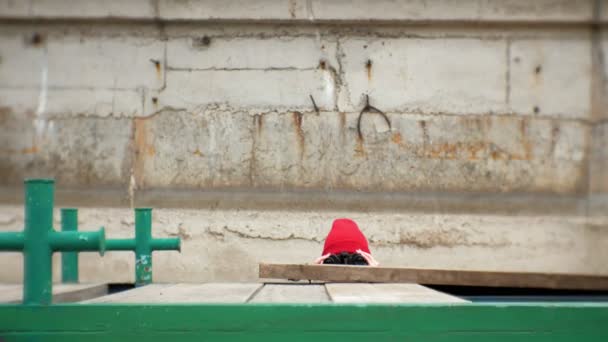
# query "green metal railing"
(143, 245)
(69, 260)
(39, 240)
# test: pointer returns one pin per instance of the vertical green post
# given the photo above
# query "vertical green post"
(39, 194)
(143, 250)
(69, 260)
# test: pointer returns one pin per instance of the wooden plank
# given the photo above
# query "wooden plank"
(184, 293)
(387, 293)
(433, 276)
(62, 293)
(291, 293)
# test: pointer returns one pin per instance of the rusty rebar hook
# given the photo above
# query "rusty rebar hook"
(370, 109)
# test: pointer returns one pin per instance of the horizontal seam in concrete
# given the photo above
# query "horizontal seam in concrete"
(170, 68)
(303, 21)
(329, 32)
(88, 88)
(263, 111)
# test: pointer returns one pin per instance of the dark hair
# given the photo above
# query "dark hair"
(345, 258)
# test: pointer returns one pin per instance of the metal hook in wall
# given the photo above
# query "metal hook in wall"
(370, 109)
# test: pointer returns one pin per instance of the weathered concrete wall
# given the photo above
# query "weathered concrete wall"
(195, 107)
(250, 112)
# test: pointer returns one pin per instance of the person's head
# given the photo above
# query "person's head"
(346, 244)
(345, 236)
(345, 258)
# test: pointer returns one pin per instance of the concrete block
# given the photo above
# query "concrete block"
(252, 89)
(14, 8)
(132, 9)
(550, 77)
(460, 76)
(205, 52)
(21, 60)
(72, 102)
(598, 162)
(231, 9)
(387, 10)
(77, 152)
(545, 10)
(463, 10)
(209, 149)
(72, 61)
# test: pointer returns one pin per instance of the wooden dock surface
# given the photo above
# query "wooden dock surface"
(62, 293)
(279, 293)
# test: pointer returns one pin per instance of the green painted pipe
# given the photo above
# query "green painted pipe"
(38, 271)
(120, 244)
(78, 241)
(12, 241)
(69, 260)
(143, 245)
(170, 244)
(143, 252)
(39, 240)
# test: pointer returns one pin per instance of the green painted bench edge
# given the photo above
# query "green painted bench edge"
(316, 322)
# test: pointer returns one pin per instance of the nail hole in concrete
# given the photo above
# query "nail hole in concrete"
(36, 39)
(322, 64)
(538, 69)
(155, 100)
(536, 109)
(203, 41)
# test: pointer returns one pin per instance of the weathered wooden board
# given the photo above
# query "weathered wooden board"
(184, 293)
(432, 276)
(291, 293)
(387, 293)
(62, 293)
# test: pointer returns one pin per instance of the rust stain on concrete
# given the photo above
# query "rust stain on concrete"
(368, 68)
(30, 150)
(258, 121)
(475, 148)
(142, 149)
(397, 139)
(297, 121)
(527, 145)
(442, 151)
(158, 69)
(258, 125)
(198, 153)
(555, 131)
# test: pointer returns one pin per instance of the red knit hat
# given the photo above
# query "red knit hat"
(345, 236)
